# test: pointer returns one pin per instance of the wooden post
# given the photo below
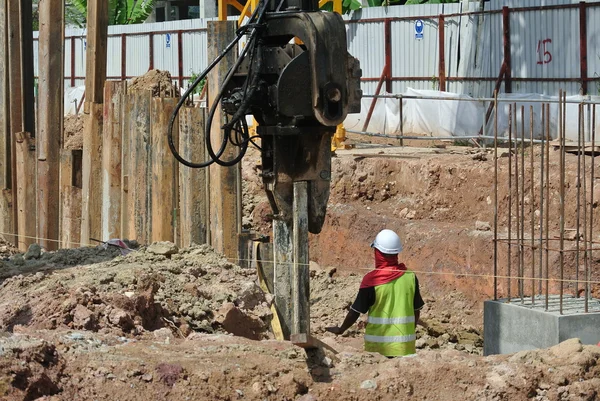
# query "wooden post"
(127, 127)
(139, 184)
(91, 205)
(300, 272)
(50, 114)
(225, 218)
(91, 162)
(25, 157)
(70, 220)
(111, 161)
(14, 100)
(6, 225)
(193, 196)
(164, 171)
(27, 75)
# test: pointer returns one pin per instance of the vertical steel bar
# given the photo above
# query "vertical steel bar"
(387, 29)
(578, 185)
(442, 61)
(510, 113)
(522, 222)
(547, 217)
(495, 193)
(562, 201)
(532, 204)
(584, 224)
(73, 75)
(588, 275)
(151, 51)
(517, 199)
(542, 151)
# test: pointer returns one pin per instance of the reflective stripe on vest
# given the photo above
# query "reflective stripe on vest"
(391, 324)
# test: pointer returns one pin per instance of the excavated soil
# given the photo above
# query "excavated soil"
(188, 324)
(157, 81)
(73, 131)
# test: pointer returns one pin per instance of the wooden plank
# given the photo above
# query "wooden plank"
(70, 201)
(300, 272)
(139, 184)
(50, 102)
(27, 64)
(6, 225)
(111, 161)
(193, 197)
(225, 216)
(16, 117)
(127, 126)
(91, 191)
(96, 49)
(164, 171)
(25, 155)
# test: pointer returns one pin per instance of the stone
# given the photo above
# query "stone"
(33, 252)
(120, 318)
(165, 248)
(250, 296)
(163, 334)
(237, 322)
(567, 348)
(307, 397)
(369, 385)
(83, 318)
(482, 226)
(147, 377)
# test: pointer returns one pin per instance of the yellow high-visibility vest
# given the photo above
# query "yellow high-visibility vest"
(391, 324)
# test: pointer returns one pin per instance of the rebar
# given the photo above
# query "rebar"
(496, 196)
(588, 275)
(562, 198)
(532, 205)
(510, 150)
(542, 151)
(522, 200)
(578, 186)
(584, 224)
(547, 217)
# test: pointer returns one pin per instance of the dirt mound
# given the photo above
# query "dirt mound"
(157, 81)
(62, 365)
(186, 290)
(73, 131)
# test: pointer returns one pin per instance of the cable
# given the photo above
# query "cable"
(239, 34)
(254, 45)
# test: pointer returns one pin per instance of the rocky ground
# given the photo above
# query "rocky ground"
(187, 324)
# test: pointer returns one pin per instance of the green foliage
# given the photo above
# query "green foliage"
(198, 89)
(122, 12)
(408, 2)
(347, 6)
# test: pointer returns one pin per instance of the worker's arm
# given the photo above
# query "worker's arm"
(350, 319)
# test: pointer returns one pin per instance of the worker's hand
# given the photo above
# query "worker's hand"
(334, 329)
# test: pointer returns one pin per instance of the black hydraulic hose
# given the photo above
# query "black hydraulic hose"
(240, 33)
(215, 157)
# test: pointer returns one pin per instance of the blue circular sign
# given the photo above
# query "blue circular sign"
(419, 26)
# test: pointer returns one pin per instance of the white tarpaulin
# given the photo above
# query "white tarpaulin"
(456, 118)
(72, 99)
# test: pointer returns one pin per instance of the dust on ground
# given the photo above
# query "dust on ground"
(73, 131)
(157, 81)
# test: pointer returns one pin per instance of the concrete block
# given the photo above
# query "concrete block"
(511, 326)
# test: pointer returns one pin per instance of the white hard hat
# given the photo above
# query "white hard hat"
(388, 242)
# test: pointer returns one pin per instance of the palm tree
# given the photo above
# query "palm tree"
(122, 12)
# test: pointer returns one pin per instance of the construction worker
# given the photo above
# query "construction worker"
(390, 295)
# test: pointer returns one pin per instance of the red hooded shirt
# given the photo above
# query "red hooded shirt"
(387, 269)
